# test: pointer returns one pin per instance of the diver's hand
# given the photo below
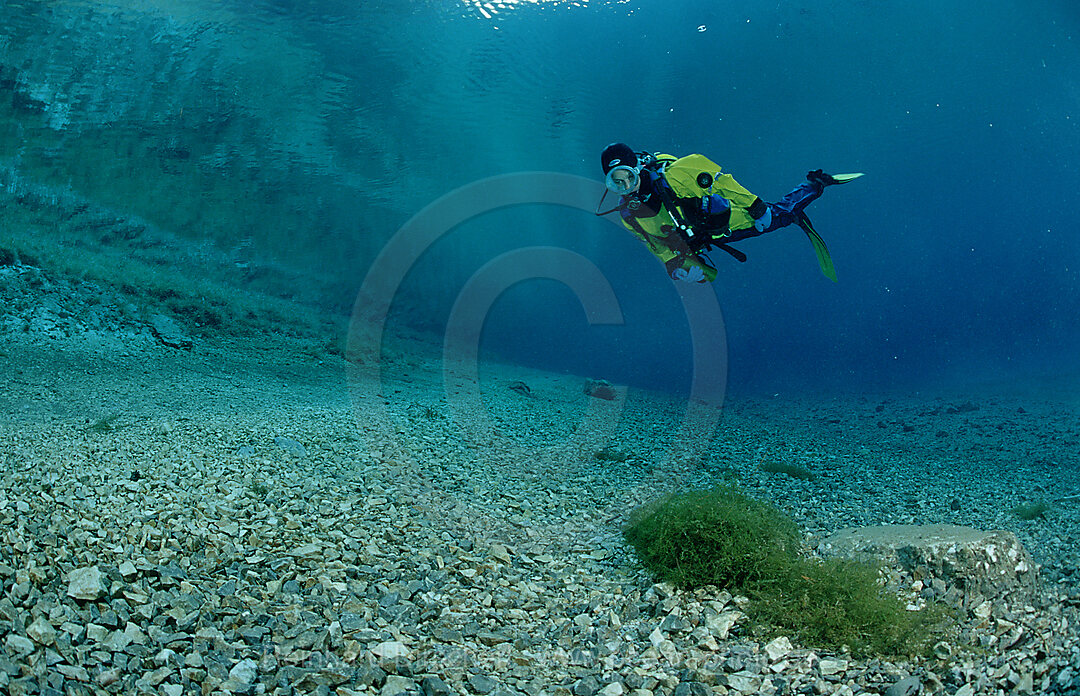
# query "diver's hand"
(689, 275)
(763, 222)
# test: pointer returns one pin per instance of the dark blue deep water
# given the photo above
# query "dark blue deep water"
(312, 131)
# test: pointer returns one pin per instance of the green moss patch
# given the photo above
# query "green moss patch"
(722, 537)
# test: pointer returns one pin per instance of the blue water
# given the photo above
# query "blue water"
(958, 253)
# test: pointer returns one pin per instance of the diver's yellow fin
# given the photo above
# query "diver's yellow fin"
(844, 178)
(822, 251)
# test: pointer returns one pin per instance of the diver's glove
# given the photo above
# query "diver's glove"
(821, 178)
(689, 275)
(763, 222)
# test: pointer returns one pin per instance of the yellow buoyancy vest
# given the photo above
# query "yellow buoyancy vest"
(695, 176)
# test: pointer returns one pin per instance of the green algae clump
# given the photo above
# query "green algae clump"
(723, 538)
(713, 537)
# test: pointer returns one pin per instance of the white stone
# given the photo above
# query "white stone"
(667, 649)
(41, 631)
(306, 550)
(656, 637)
(19, 646)
(244, 672)
(612, 689)
(117, 640)
(778, 649)
(85, 583)
(395, 686)
(390, 649)
(135, 634)
(128, 570)
(965, 690)
(743, 683)
(984, 609)
(72, 672)
(721, 625)
(830, 666)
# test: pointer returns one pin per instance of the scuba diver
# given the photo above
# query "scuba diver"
(683, 207)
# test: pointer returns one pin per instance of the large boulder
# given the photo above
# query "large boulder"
(990, 563)
(169, 333)
(601, 389)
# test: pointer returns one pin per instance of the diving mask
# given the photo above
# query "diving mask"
(623, 180)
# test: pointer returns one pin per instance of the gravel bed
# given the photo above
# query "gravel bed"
(251, 518)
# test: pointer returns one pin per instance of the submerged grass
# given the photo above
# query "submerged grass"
(151, 276)
(724, 538)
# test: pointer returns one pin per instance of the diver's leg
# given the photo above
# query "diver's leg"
(782, 213)
(795, 202)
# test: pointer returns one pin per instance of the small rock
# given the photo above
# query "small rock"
(743, 683)
(117, 640)
(128, 571)
(492, 638)
(721, 624)
(613, 689)
(390, 650)
(19, 646)
(306, 551)
(669, 651)
(908, 686)
(829, 666)
(108, 677)
(291, 447)
(778, 649)
(166, 330)
(85, 583)
(586, 686)
(482, 684)
(242, 675)
(76, 673)
(433, 686)
(41, 631)
(350, 623)
(165, 657)
(692, 689)
(398, 686)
